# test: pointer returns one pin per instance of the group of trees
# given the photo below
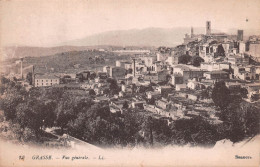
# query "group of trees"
(82, 118)
(195, 60)
(240, 118)
(184, 59)
(94, 123)
(97, 60)
(86, 75)
(195, 131)
(113, 86)
(220, 51)
(29, 78)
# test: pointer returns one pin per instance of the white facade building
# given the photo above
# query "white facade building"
(46, 80)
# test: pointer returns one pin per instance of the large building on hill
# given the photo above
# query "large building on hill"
(216, 75)
(45, 80)
(216, 36)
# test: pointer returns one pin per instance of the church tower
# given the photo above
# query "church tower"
(208, 28)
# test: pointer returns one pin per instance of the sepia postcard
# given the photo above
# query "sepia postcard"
(129, 83)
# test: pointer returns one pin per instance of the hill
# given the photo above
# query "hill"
(29, 51)
(110, 40)
(137, 37)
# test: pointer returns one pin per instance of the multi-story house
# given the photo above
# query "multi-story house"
(45, 80)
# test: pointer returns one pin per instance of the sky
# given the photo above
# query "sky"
(49, 22)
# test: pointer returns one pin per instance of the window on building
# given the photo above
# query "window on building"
(42, 80)
(46, 83)
(42, 83)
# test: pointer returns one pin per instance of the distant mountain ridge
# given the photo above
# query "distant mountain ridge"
(29, 51)
(169, 37)
(13, 52)
(149, 37)
(139, 38)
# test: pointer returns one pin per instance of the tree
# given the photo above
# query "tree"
(4, 80)
(106, 91)
(168, 78)
(92, 92)
(114, 87)
(206, 93)
(132, 125)
(65, 78)
(92, 76)
(29, 77)
(148, 127)
(254, 97)
(9, 104)
(125, 105)
(109, 80)
(240, 120)
(196, 61)
(22, 114)
(184, 59)
(142, 89)
(35, 115)
(149, 88)
(97, 125)
(65, 111)
(221, 95)
(234, 120)
(252, 117)
(243, 92)
(129, 71)
(134, 88)
(80, 77)
(220, 51)
(196, 131)
(151, 101)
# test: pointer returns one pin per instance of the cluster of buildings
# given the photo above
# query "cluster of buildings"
(158, 83)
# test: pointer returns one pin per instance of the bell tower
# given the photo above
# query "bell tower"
(208, 28)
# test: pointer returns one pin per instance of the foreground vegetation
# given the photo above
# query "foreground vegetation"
(30, 112)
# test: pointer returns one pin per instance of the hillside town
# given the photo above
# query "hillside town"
(169, 84)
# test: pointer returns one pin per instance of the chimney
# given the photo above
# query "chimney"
(191, 32)
(33, 75)
(21, 68)
(134, 67)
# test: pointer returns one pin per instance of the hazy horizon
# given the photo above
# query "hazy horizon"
(67, 43)
(49, 23)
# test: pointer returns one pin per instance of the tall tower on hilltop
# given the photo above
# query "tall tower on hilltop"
(240, 35)
(191, 32)
(208, 28)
